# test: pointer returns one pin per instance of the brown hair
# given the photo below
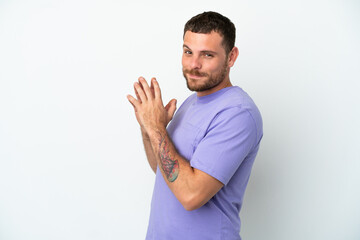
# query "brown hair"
(207, 22)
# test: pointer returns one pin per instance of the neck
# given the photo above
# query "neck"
(224, 84)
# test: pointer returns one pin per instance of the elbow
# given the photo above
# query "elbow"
(190, 207)
(192, 203)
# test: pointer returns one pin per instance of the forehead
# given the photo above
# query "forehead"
(203, 41)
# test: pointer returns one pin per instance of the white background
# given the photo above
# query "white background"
(72, 164)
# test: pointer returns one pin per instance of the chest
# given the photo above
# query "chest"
(188, 127)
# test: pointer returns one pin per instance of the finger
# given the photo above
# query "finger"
(133, 102)
(140, 82)
(157, 90)
(167, 107)
(172, 108)
(146, 88)
(137, 95)
(140, 92)
(152, 88)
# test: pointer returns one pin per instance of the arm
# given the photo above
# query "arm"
(170, 108)
(192, 187)
(148, 150)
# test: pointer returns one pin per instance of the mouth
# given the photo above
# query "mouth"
(195, 76)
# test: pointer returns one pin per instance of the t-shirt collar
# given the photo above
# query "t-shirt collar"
(212, 96)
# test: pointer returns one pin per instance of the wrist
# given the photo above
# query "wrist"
(144, 134)
(154, 135)
(155, 131)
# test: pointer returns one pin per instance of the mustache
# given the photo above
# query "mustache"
(195, 72)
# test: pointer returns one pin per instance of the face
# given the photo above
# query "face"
(204, 61)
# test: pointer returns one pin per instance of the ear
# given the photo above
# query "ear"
(233, 54)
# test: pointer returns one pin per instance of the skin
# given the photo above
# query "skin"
(206, 67)
(204, 58)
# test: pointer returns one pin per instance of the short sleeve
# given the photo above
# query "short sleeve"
(230, 138)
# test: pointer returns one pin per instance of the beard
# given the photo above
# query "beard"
(211, 81)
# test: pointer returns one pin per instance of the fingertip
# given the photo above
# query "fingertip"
(155, 81)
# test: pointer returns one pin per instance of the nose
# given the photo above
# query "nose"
(195, 63)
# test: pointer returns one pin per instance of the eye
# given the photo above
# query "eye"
(187, 52)
(208, 55)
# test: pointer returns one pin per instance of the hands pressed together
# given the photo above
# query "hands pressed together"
(149, 108)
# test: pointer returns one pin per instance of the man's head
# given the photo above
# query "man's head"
(208, 52)
(208, 22)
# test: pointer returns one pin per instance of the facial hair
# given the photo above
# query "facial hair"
(212, 80)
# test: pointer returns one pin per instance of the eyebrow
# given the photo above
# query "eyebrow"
(203, 51)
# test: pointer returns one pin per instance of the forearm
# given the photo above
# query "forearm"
(176, 170)
(149, 151)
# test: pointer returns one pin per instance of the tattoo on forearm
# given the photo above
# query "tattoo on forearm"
(169, 165)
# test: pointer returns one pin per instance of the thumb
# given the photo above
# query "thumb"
(171, 107)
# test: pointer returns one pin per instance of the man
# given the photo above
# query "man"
(204, 157)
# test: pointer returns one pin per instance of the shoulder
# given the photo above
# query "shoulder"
(236, 97)
(238, 110)
(235, 101)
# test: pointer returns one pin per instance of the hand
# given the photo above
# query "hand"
(149, 109)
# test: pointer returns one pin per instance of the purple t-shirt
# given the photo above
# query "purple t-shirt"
(220, 135)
